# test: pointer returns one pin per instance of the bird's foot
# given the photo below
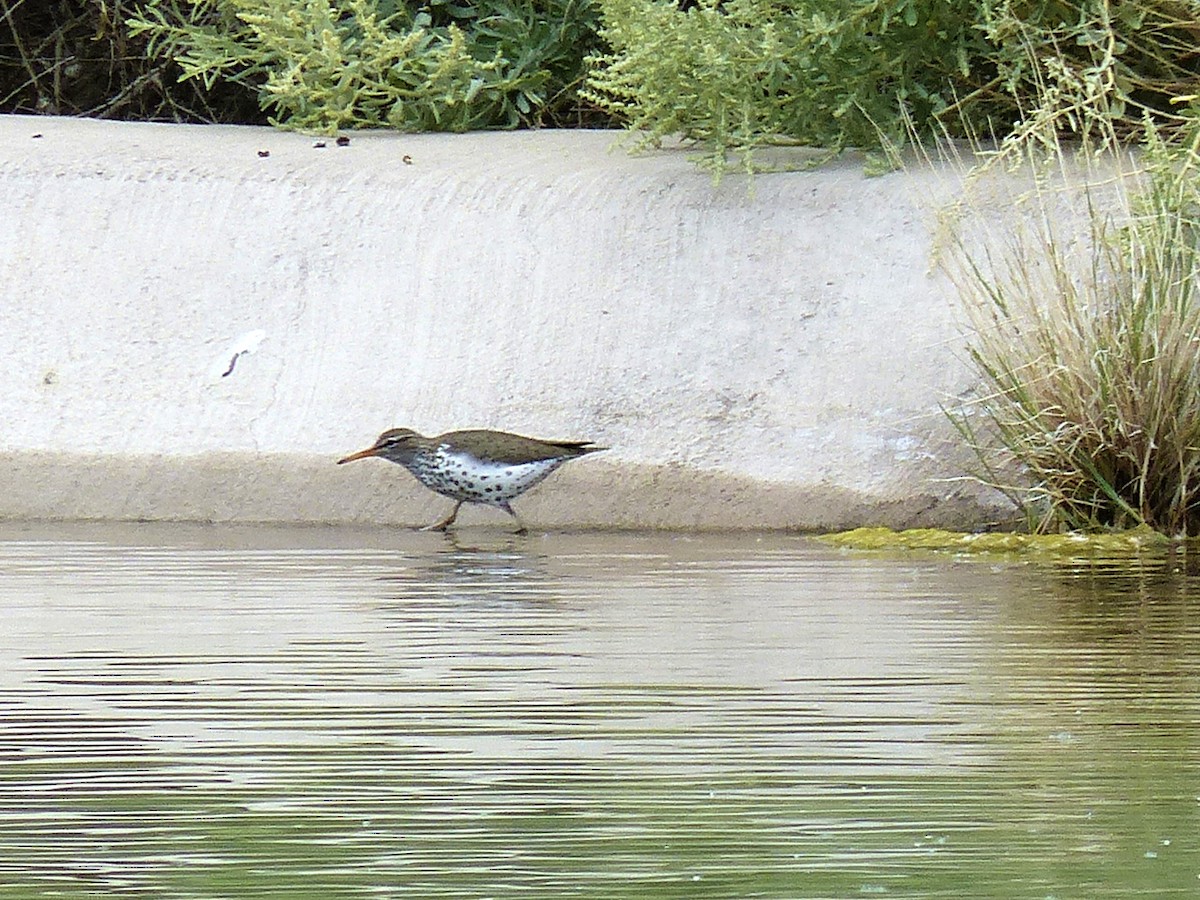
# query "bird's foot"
(446, 522)
(521, 529)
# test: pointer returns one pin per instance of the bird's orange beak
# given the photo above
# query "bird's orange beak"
(361, 454)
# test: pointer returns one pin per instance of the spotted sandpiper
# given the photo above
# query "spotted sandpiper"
(489, 467)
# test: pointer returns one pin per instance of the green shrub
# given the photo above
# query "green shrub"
(744, 74)
(329, 64)
(738, 75)
(1088, 345)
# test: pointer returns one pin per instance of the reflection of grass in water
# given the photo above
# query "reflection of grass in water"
(601, 840)
(1108, 680)
(1072, 819)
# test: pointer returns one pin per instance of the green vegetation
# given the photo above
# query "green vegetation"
(311, 64)
(330, 64)
(739, 75)
(734, 75)
(1086, 340)
(744, 74)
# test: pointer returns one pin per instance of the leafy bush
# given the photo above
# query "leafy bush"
(328, 64)
(744, 74)
(1089, 346)
(78, 57)
(738, 75)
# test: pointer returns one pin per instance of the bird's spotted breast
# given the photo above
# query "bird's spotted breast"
(462, 476)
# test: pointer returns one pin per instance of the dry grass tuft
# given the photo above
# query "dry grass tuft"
(1088, 342)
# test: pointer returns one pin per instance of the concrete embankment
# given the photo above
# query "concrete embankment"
(195, 322)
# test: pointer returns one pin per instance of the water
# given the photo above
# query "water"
(253, 712)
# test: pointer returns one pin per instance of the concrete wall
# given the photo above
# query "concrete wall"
(768, 355)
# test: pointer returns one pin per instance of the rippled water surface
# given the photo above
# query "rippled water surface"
(255, 712)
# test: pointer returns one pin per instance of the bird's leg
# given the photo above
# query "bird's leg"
(507, 507)
(446, 522)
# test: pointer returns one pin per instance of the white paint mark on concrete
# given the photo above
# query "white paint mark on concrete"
(226, 363)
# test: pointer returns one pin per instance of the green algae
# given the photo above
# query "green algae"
(1065, 546)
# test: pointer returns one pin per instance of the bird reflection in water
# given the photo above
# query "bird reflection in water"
(479, 567)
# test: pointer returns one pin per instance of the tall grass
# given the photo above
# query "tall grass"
(1087, 341)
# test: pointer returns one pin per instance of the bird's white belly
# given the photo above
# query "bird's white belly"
(463, 477)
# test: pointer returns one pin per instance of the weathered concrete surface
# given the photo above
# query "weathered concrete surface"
(773, 357)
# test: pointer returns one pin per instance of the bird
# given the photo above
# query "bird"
(474, 466)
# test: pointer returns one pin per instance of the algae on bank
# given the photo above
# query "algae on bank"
(1071, 545)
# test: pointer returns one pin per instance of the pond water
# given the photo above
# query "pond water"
(195, 711)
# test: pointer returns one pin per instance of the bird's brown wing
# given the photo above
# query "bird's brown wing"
(501, 446)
